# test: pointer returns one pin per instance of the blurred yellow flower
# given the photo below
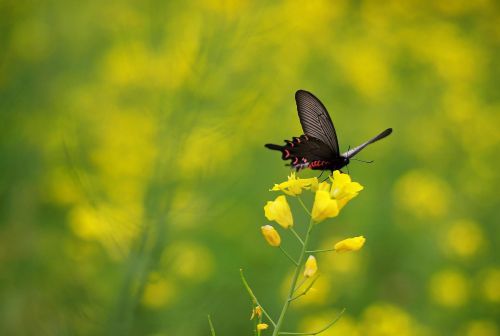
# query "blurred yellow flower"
(481, 328)
(279, 211)
(490, 285)
(188, 260)
(324, 206)
(262, 326)
(271, 235)
(257, 311)
(449, 288)
(387, 319)
(158, 292)
(294, 186)
(464, 238)
(311, 267)
(343, 189)
(350, 244)
(422, 194)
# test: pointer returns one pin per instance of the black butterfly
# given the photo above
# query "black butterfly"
(318, 148)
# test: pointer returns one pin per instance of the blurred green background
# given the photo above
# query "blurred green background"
(133, 172)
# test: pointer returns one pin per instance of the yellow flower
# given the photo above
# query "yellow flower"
(294, 186)
(271, 235)
(350, 244)
(257, 311)
(324, 206)
(311, 267)
(343, 189)
(262, 326)
(279, 211)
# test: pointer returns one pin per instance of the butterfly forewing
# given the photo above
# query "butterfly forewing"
(315, 120)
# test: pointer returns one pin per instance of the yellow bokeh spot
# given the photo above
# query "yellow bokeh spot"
(346, 325)
(387, 320)
(158, 292)
(490, 285)
(349, 264)
(86, 223)
(113, 227)
(449, 288)
(320, 293)
(366, 67)
(464, 238)
(189, 260)
(481, 328)
(422, 194)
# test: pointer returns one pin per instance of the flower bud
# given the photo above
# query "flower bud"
(262, 326)
(271, 235)
(257, 311)
(350, 244)
(311, 267)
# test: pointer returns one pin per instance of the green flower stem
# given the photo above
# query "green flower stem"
(254, 298)
(304, 292)
(288, 256)
(318, 251)
(303, 205)
(319, 331)
(297, 236)
(212, 330)
(300, 284)
(298, 269)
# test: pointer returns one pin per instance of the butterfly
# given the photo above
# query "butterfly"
(318, 147)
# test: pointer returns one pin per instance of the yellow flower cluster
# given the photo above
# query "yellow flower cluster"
(328, 201)
(294, 185)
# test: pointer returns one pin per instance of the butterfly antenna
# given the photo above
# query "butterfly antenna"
(371, 161)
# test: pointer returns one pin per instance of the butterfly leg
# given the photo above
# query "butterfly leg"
(321, 173)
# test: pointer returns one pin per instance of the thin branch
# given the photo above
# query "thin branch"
(303, 205)
(319, 331)
(212, 330)
(297, 236)
(300, 284)
(305, 290)
(318, 251)
(254, 298)
(289, 257)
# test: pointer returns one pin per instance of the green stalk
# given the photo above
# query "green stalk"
(298, 269)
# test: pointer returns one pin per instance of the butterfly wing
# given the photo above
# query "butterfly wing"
(350, 153)
(315, 120)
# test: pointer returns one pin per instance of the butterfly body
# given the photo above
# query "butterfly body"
(318, 148)
(308, 152)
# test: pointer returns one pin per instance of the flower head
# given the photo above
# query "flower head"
(279, 211)
(271, 235)
(343, 189)
(311, 267)
(324, 206)
(262, 326)
(294, 185)
(350, 244)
